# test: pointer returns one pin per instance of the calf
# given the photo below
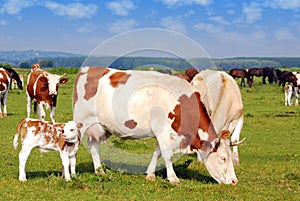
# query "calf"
(42, 87)
(289, 91)
(62, 137)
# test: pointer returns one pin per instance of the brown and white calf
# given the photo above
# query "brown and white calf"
(42, 87)
(61, 137)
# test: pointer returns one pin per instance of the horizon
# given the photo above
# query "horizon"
(250, 28)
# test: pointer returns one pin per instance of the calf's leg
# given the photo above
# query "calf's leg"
(23, 156)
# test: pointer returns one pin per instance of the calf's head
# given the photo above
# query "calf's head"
(70, 132)
(53, 81)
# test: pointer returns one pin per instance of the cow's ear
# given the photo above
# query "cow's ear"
(224, 134)
(63, 80)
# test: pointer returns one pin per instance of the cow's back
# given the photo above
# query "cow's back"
(125, 102)
(37, 87)
(221, 96)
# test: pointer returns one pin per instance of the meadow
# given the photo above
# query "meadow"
(269, 169)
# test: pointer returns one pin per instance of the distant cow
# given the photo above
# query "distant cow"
(139, 104)
(14, 82)
(42, 87)
(188, 75)
(61, 137)
(287, 77)
(223, 101)
(241, 73)
(6, 76)
(288, 92)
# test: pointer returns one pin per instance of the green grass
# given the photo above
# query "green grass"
(269, 170)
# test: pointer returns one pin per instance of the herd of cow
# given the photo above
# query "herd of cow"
(201, 113)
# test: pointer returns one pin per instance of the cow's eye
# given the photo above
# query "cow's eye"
(72, 130)
(223, 159)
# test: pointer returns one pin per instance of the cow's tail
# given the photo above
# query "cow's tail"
(18, 130)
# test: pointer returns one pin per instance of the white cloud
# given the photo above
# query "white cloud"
(173, 24)
(120, 26)
(73, 10)
(171, 3)
(219, 19)
(252, 11)
(283, 4)
(14, 7)
(122, 7)
(284, 34)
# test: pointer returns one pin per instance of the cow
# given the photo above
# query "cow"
(14, 77)
(139, 104)
(4, 86)
(14, 82)
(241, 73)
(6, 76)
(188, 75)
(223, 101)
(61, 137)
(42, 87)
(288, 92)
(287, 77)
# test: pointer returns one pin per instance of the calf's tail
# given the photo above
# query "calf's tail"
(18, 130)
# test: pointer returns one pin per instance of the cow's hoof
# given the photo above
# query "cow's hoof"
(150, 177)
(1, 116)
(175, 182)
(5, 115)
(100, 172)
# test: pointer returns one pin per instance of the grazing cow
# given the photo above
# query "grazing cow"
(14, 82)
(258, 72)
(189, 74)
(287, 77)
(270, 73)
(61, 137)
(223, 101)
(4, 86)
(241, 73)
(138, 104)
(6, 75)
(15, 76)
(42, 87)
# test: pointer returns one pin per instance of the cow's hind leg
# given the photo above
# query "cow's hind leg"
(95, 134)
(23, 156)
(152, 166)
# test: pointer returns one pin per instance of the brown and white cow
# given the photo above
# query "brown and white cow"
(138, 104)
(61, 137)
(4, 87)
(223, 100)
(42, 87)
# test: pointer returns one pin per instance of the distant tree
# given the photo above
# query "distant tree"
(24, 64)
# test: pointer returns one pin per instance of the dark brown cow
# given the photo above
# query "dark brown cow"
(189, 74)
(42, 87)
(241, 73)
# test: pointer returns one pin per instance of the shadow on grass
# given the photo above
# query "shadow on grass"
(182, 171)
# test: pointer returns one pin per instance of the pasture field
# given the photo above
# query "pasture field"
(269, 169)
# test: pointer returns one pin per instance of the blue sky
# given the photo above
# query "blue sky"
(228, 28)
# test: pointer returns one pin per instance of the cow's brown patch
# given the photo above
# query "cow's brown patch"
(3, 80)
(118, 78)
(93, 75)
(130, 124)
(189, 116)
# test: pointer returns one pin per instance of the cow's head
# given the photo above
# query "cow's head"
(218, 160)
(53, 82)
(70, 132)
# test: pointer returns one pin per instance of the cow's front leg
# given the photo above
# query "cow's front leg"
(52, 114)
(66, 163)
(152, 166)
(41, 111)
(72, 160)
(23, 156)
